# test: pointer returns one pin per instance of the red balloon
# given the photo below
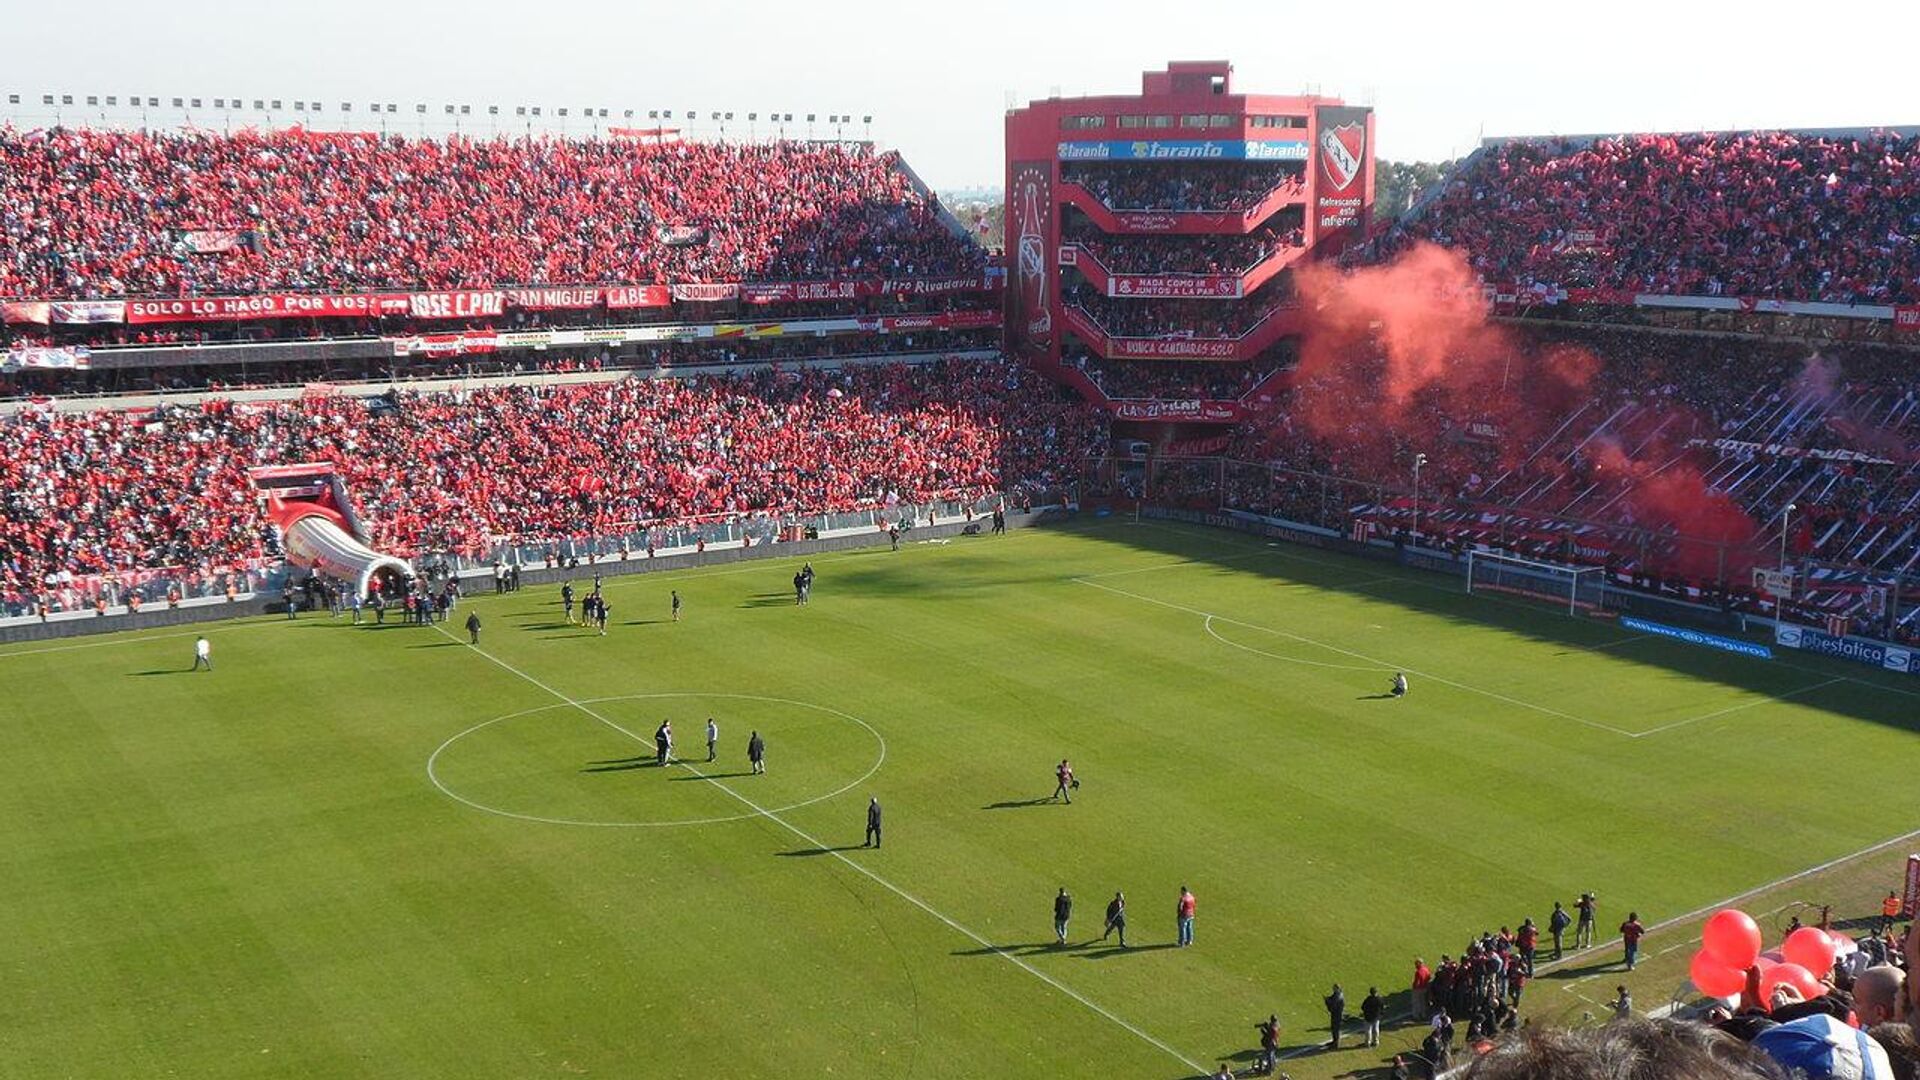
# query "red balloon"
(1714, 978)
(1811, 948)
(1732, 938)
(1793, 975)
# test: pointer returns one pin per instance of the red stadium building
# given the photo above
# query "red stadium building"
(1150, 236)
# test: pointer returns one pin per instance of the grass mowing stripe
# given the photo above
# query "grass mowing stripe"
(760, 811)
(1362, 656)
(1677, 920)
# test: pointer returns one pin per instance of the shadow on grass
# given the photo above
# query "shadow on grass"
(160, 671)
(803, 853)
(711, 776)
(1127, 950)
(770, 601)
(626, 766)
(642, 622)
(1374, 697)
(1032, 948)
(1865, 693)
(435, 644)
(1012, 804)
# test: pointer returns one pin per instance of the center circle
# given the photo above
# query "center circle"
(508, 762)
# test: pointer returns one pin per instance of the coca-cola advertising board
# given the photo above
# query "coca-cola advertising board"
(1030, 217)
(1342, 167)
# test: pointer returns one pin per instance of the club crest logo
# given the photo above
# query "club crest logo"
(1342, 149)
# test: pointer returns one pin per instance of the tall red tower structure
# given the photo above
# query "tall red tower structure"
(1150, 236)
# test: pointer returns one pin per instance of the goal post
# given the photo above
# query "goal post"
(1576, 588)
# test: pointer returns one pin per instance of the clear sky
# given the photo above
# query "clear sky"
(938, 78)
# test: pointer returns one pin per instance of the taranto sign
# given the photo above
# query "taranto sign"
(1183, 150)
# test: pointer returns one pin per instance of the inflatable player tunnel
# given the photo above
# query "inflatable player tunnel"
(318, 530)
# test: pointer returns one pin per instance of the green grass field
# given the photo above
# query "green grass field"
(356, 852)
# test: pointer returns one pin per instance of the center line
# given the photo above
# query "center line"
(1196, 1067)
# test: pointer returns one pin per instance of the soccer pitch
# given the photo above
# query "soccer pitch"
(358, 852)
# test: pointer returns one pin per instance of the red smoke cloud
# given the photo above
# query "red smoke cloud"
(1403, 357)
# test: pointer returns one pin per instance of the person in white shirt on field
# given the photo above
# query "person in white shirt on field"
(713, 737)
(1399, 684)
(202, 654)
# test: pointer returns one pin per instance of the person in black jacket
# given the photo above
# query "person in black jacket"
(1336, 1003)
(873, 822)
(1062, 911)
(1117, 918)
(473, 627)
(1370, 1009)
(1557, 924)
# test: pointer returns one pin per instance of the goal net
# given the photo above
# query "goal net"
(1575, 588)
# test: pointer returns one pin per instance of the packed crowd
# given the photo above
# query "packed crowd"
(1183, 187)
(1134, 317)
(103, 492)
(1765, 214)
(86, 213)
(1766, 424)
(1211, 254)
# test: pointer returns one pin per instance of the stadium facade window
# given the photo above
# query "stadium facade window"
(1159, 121)
(1279, 121)
(1082, 123)
(1219, 120)
(1133, 121)
(1197, 120)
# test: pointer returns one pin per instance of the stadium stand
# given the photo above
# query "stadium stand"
(1220, 187)
(1220, 254)
(1776, 214)
(95, 494)
(101, 213)
(1768, 423)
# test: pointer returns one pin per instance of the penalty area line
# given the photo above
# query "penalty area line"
(762, 812)
(1384, 665)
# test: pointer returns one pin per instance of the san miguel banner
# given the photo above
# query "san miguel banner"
(1179, 286)
(1220, 412)
(555, 299)
(1173, 348)
(1343, 155)
(267, 306)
